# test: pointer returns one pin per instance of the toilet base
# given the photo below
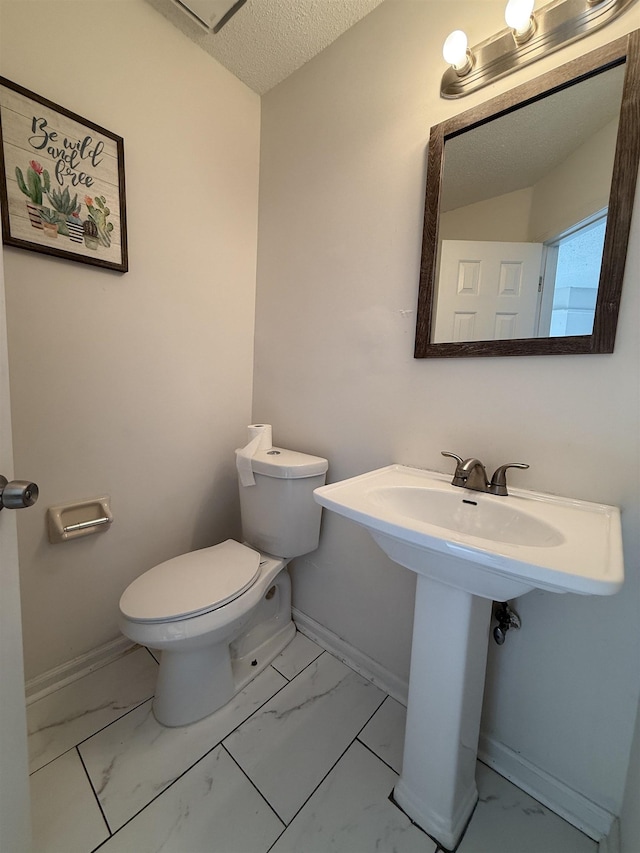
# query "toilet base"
(186, 690)
(194, 694)
(194, 683)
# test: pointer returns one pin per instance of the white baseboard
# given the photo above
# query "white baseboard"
(70, 671)
(578, 810)
(366, 666)
(590, 818)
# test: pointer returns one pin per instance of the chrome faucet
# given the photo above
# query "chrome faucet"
(471, 474)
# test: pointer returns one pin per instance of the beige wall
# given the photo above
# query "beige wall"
(576, 189)
(501, 218)
(135, 385)
(341, 204)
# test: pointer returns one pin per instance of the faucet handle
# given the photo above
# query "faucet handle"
(457, 479)
(499, 480)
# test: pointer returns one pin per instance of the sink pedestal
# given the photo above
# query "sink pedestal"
(437, 786)
(467, 549)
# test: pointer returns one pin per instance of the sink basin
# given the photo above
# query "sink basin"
(467, 548)
(479, 516)
(491, 546)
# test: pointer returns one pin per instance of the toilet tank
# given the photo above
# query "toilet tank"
(279, 514)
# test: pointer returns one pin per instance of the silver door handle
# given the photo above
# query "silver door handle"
(17, 493)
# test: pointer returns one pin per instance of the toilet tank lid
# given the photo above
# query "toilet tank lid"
(287, 464)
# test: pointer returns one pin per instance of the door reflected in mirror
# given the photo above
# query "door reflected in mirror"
(527, 214)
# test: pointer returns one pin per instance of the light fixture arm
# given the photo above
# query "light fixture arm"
(557, 24)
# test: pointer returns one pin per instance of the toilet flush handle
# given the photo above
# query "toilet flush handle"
(17, 493)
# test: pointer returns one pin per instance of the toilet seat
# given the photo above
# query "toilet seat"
(191, 584)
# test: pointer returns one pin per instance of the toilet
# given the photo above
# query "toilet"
(220, 615)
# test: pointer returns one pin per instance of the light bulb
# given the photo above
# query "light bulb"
(455, 52)
(518, 17)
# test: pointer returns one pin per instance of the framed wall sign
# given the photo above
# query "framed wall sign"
(62, 187)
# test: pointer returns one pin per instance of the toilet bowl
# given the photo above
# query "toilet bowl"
(202, 665)
(220, 615)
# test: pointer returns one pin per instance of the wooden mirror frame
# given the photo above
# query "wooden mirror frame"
(625, 170)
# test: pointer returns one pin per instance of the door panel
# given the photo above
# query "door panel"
(15, 833)
(487, 291)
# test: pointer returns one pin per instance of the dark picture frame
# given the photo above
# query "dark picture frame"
(62, 182)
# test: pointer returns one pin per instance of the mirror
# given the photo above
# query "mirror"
(528, 208)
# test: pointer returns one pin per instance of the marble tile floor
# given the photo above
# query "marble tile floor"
(303, 760)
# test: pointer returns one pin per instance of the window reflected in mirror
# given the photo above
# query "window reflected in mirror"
(571, 273)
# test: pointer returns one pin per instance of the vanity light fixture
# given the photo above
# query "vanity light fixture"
(530, 35)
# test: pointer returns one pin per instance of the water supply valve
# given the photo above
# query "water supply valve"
(507, 618)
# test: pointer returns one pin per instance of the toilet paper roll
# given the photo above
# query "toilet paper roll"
(263, 432)
(260, 438)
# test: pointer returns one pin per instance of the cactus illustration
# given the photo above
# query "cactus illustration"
(65, 205)
(98, 213)
(49, 216)
(90, 234)
(50, 221)
(37, 181)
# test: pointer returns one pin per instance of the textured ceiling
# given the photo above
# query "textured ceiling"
(267, 40)
(518, 149)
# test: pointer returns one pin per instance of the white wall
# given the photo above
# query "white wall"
(135, 385)
(341, 208)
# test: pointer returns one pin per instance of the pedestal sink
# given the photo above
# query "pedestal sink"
(467, 549)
